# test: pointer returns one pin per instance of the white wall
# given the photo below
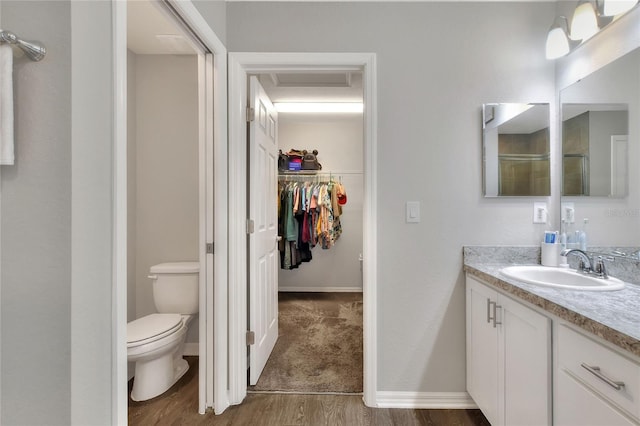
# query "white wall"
(215, 13)
(437, 64)
(92, 207)
(36, 225)
(166, 169)
(339, 144)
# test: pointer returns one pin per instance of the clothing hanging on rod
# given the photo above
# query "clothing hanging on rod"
(309, 210)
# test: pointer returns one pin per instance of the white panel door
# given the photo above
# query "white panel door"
(482, 349)
(619, 153)
(263, 248)
(525, 351)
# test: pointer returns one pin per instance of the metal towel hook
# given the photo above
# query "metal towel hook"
(33, 49)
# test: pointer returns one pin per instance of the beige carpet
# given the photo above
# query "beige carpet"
(319, 348)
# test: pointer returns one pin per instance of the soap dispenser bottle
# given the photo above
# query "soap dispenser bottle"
(583, 235)
(563, 235)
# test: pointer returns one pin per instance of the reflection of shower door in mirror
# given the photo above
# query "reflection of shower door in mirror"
(575, 175)
(523, 174)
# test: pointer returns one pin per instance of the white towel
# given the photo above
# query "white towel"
(6, 105)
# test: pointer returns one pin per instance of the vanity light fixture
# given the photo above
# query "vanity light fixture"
(319, 107)
(558, 43)
(617, 7)
(584, 23)
(588, 18)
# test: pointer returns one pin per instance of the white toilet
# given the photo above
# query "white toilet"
(155, 342)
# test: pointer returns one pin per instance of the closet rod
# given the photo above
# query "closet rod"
(308, 176)
(33, 49)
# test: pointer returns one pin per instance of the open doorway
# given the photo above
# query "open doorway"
(212, 195)
(241, 66)
(166, 203)
(319, 274)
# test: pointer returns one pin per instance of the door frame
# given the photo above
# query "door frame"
(240, 65)
(213, 142)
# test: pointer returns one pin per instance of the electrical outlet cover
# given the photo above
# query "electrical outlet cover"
(540, 212)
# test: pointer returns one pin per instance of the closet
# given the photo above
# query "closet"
(335, 265)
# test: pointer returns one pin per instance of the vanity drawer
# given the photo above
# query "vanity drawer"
(600, 368)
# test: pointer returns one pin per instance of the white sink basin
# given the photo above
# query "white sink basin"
(560, 278)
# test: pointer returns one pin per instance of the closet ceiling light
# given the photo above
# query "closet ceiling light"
(584, 23)
(617, 7)
(557, 39)
(320, 107)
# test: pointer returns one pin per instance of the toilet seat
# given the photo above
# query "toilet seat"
(152, 328)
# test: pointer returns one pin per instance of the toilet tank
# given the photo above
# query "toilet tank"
(175, 287)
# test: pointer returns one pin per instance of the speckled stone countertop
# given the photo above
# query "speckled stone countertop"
(611, 315)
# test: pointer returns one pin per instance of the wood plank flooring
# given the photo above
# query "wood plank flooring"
(179, 407)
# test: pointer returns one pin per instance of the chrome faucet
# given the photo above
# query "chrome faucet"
(600, 269)
(587, 265)
(585, 261)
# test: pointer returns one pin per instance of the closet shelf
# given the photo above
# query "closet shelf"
(298, 172)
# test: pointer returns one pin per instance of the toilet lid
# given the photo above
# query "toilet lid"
(152, 327)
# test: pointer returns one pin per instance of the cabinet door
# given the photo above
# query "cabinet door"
(524, 337)
(482, 350)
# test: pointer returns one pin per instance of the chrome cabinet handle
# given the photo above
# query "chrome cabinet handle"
(495, 315)
(595, 370)
(491, 312)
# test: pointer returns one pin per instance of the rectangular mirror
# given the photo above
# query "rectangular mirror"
(600, 148)
(515, 149)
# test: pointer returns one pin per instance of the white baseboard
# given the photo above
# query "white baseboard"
(425, 400)
(191, 349)
(321, 289)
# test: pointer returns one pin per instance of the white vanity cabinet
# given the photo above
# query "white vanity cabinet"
(595, 385)
(508, 358)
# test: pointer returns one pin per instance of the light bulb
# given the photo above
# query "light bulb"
(584, 23)
(557, 39)
(617, 7)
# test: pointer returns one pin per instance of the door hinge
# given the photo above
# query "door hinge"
(250, 226)
(251, 114)
(209, 248)
(251, 338)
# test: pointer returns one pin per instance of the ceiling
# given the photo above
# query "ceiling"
(572, 110)
(529, 121)
(151, 32)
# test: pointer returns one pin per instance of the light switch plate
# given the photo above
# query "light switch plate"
(413, 211)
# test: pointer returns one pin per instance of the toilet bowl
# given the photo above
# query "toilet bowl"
(157, 351)
(156, 342)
